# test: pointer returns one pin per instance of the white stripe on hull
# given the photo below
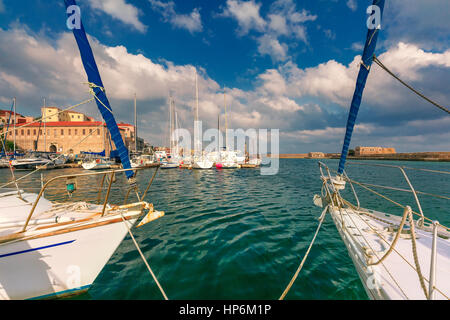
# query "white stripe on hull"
(64, 262)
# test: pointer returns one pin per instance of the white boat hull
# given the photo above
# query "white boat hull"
(205, 164)
(170, 166)
(96, 166)
(394, 278)
(58, 265)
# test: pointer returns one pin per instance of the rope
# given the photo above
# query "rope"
(378, 62)
(403, 190)
(285, 292)
(406, 213)
(371, 248)
(387, 242)
(143, 258)
(91, 91)
(414, 250)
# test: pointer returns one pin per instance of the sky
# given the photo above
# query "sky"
(282, 64)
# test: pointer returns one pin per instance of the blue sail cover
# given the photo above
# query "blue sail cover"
(369, 48)
(93, 75)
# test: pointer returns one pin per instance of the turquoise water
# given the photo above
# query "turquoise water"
(234, 234)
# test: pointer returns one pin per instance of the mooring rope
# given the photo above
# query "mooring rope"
(143, 258)
(285, 292)
(378, 62)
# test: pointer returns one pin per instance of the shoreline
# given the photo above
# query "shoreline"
(414, 156)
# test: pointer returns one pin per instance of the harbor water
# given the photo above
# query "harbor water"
(236, 234)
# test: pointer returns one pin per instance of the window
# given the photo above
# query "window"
(76, 132)
(70, 132)
(40, 131)
(62, 132)
(22, 132)
(98, 132)
(34, 132)
(78, 117)
(28, 132)
(90, 131)
(54, 132)
(72, 116)
(84, 132)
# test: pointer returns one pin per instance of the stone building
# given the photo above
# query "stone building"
(54, 114)
(6, 115)
(363, 151)
(129, 132)
(316, 155)
(65, 137)
(67, 132)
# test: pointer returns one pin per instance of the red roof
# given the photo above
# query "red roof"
(66, 124)
(4, 112)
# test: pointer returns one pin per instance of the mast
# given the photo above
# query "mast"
(14, 110)
(226, 125)
(196, 96)
(45, 131)
(135, 125)
(170, 125)
(197, 143)
(177, 151)
(366, 62)
(218, 136)
(96, 85)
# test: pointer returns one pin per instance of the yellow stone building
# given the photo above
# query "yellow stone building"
(54, 114)
(67, 132)
(362, 151)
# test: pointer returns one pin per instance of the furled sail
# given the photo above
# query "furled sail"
(366, 62)
(95, 81)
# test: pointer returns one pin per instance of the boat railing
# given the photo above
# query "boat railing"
(433, 226)
(71, 185)
(328, 177)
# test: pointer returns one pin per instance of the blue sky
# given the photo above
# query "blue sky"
(284, 64)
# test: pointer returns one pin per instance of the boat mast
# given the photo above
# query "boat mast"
(226, 125)
(45, 131)
(176, 128)
(135, 125)
(14, 110)
(170, 125)
(196, 133)
(218, 135)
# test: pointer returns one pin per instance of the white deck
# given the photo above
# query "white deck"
(395, 277)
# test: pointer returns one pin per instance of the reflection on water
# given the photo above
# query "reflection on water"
(234, 234)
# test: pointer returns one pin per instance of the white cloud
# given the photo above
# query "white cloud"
(191, 22)
(269, 45)
(246, 14)
(278, 24)
(281, 98)
(352, 5)
(424, 23)
(357, 46)
(120, 10)
(282, 21)
(15, 83)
